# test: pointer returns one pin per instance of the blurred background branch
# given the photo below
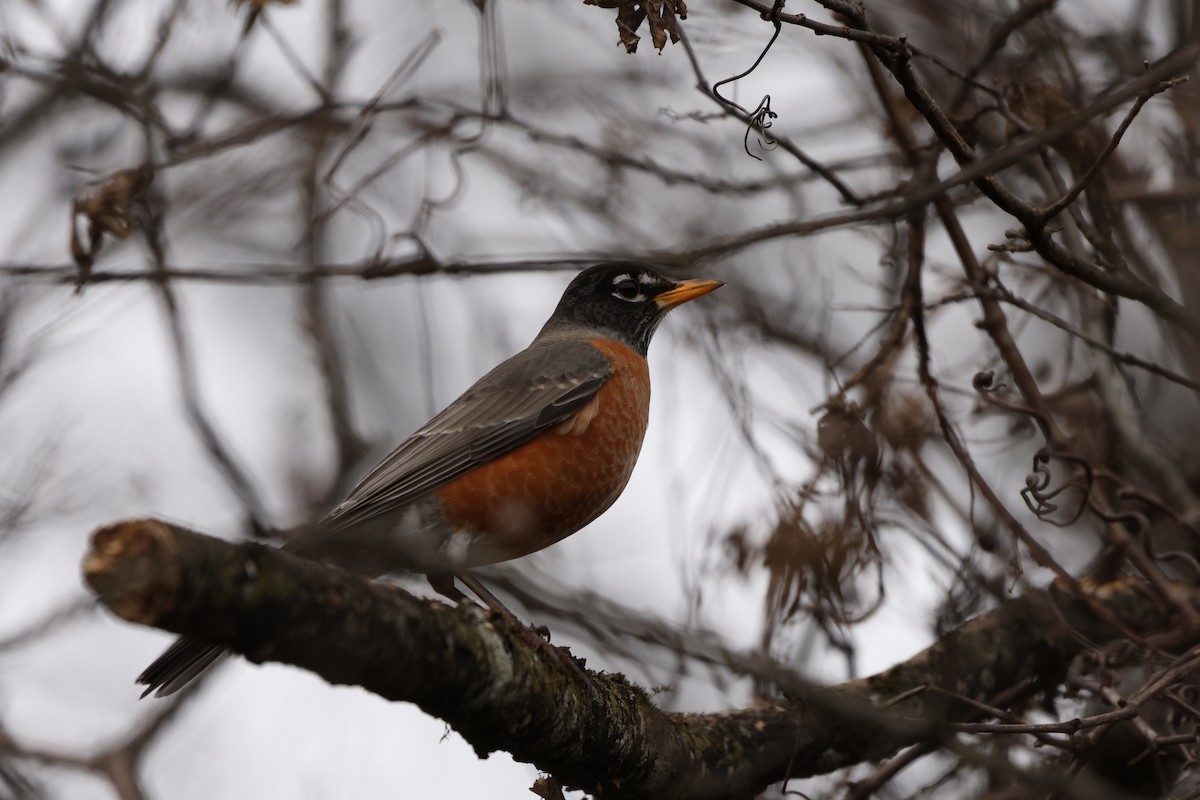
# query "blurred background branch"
(245, 249)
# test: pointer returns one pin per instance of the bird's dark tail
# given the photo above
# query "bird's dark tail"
(178, 665)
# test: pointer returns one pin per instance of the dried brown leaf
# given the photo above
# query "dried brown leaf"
(844, 437)
(904, 418)
(663, 16)
(1042, 105)
(547, 788)
(105, 206)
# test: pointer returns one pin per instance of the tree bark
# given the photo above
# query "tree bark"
(593, 731)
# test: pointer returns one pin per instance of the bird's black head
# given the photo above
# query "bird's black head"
(624, 301)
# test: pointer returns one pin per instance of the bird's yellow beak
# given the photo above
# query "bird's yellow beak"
(684, 291)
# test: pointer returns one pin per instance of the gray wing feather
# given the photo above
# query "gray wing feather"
(532, 391)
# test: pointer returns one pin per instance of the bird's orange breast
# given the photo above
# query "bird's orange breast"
(546, 489)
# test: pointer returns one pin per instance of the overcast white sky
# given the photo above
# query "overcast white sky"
(96, 427)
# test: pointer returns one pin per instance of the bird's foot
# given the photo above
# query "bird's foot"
(537, 637)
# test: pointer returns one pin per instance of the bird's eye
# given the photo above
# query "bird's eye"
(628, 289)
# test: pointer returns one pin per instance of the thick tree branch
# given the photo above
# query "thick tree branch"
(603, 734)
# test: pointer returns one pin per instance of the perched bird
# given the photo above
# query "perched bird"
(535, 450)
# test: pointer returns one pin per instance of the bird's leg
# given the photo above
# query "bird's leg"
(444, 585)
(538, 637)
(493, 602)
(483, 593)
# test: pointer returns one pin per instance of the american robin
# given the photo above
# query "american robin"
(535, 450)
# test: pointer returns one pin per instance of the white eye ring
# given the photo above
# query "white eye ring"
(627, 289)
